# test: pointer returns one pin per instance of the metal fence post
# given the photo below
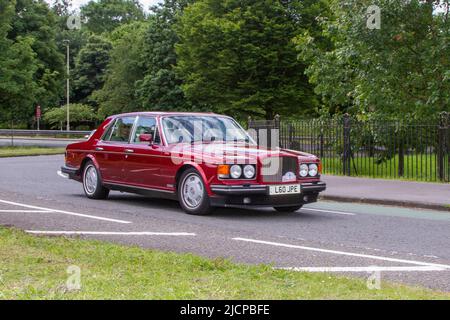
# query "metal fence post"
(442, 151)
(401, 158)
(291, 136)
(321, 139)
(347, 147)
(12, 132)
(277, 127)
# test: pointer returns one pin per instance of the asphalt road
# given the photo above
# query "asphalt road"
(404, 245)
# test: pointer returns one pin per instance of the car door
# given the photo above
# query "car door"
(143, 157)
(110, 150)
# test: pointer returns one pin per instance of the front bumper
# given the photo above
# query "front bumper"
(258, 195)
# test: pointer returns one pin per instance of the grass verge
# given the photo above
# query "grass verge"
(416, 168)
(36, 268)
(28, 151)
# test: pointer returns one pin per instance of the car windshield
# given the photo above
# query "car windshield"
(190, 129)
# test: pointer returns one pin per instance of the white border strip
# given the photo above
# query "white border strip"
(25, 211)
(102, 233)
(351, 254)
(64, 212)
(364, 269)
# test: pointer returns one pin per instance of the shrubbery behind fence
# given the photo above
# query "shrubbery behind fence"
(380, 149)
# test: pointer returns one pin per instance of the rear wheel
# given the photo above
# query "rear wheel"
(192, 193)
(92, 184)
(288, 209)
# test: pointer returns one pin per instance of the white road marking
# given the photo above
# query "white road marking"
(359, 255)
(64, 212)
(101, 233)
(25, 211)
(330, 211)
(365, 269)
(65, 176)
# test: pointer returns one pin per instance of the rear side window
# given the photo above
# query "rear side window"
(107, 133)
(121, 130)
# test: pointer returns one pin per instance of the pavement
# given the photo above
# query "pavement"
(404, 245)
(388, 192)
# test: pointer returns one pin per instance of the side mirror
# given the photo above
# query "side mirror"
(146, 137)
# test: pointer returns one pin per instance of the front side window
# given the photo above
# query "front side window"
(121, 130)
(146, 128)
(188, 129)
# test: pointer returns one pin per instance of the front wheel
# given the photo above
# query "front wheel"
(288, 209)
(192, 194)
(92, 184)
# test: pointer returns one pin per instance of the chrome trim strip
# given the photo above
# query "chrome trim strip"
(219, 189)
(257, 186)
(318, 186)
(137, 187)
(233, 189)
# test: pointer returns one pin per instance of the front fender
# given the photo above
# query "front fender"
(203, 175)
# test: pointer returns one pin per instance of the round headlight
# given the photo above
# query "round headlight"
(249, 171)
(313, 170)
(304, 170)
(236, 171)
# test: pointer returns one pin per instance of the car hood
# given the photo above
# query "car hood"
(231, 152)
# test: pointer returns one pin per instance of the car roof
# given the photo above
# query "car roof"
(165, 113)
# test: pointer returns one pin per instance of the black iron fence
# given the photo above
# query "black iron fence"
(398, 149)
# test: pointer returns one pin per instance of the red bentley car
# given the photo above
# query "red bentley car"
(202, 160)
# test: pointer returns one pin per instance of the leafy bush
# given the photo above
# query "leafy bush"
(79, 114)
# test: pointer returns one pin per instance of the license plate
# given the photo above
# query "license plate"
(285, 189)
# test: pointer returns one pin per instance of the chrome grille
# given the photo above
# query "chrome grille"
(274, 168)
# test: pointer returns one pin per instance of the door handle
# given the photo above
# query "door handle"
(129, 151)
(99, 149)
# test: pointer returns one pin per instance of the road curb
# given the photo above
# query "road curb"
(397, 203)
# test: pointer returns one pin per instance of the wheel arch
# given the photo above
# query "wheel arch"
(86, 159)
(196, 166)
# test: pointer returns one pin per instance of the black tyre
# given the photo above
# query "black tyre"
(288, 209)
(192, 194)
(92, 183)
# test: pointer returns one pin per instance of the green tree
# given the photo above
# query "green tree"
(125, 68)
(161, 87)
(79, 114)
(400, 69)
(34, 19)
(62, 7)
(237, 57)
(106, 15)
(90, 68)
(18, 66)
